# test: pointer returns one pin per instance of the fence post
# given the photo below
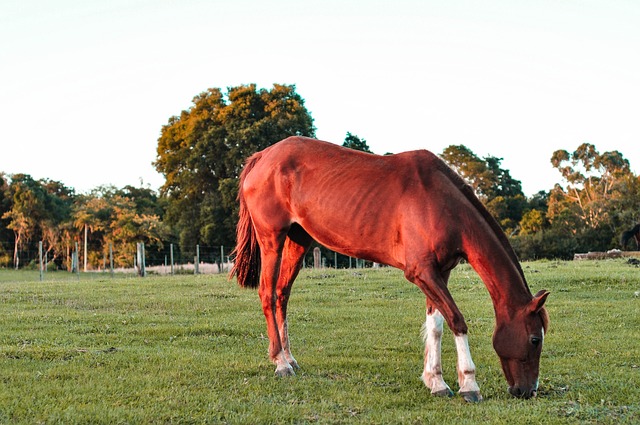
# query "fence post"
(77, 262)
(73, 262)
(335, 260)
(74, 259)
(171, 255)
(144, 261)
(85, 247)
(141, 264)
(111, 259)
(316, 258)
(196, 262)
(40, 260)
(221, 259)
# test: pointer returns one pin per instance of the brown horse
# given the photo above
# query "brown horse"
(632, 233)
(409, 211)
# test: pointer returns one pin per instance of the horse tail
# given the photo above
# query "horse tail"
(247, 263)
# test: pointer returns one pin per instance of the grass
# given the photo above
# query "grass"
(192, 349)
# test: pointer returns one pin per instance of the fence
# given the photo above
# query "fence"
(168, 260)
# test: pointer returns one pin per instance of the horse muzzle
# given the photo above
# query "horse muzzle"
(523, 393)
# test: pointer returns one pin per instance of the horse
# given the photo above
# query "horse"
(632, 233)
(409, 211)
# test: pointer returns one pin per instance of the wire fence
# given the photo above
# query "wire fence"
(98, 260)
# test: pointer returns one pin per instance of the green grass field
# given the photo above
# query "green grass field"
(192, 349)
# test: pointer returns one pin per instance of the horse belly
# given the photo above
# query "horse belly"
(355, 228)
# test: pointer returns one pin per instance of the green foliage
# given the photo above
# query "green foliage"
(352, 141)
(500, 193)
(35, 211)
(532, 222)
(48, 211)
(120, 218)
(592, 181)
(600, 200)
(202, 151)
(192, 349)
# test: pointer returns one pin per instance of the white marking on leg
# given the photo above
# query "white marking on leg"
(284, 338)
(466, 368)
(432, 373)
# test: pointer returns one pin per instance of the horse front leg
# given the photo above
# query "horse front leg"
(469, 389)
(434, 285)
(432, 373)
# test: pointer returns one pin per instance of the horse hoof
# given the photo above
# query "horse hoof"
(285, 371)
(443, 393)
(471, 396)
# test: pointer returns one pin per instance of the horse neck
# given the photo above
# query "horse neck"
(488, 251)
(501, 274)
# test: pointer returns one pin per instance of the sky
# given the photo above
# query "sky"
(86, 85)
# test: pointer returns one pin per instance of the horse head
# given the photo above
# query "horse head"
(518, 342)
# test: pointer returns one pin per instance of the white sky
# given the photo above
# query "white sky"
(85, 85)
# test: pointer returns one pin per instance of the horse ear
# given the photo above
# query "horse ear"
(538, 300)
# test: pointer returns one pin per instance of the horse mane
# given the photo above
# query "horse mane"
(467, 191)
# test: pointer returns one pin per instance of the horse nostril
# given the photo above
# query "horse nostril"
(520, 393)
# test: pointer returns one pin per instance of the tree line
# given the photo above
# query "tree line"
(201, 153)
(596, 199)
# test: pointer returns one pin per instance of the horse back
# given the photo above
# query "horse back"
(369, 206)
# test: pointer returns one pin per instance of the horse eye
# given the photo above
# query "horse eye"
(535, 340)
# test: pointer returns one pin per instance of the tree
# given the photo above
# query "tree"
(107, 217)
(501, 194)
(127, 227)
(145, 199)
(5, 233)
(54, 224)
(598, 200)
(532, 222)
(92, 215)
(591, 180)
(201, 154)
(352, 141)
(27, 208)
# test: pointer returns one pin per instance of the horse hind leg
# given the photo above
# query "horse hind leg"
(296, 245)
(271, 251)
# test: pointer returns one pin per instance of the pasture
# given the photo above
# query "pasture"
(193, 349)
